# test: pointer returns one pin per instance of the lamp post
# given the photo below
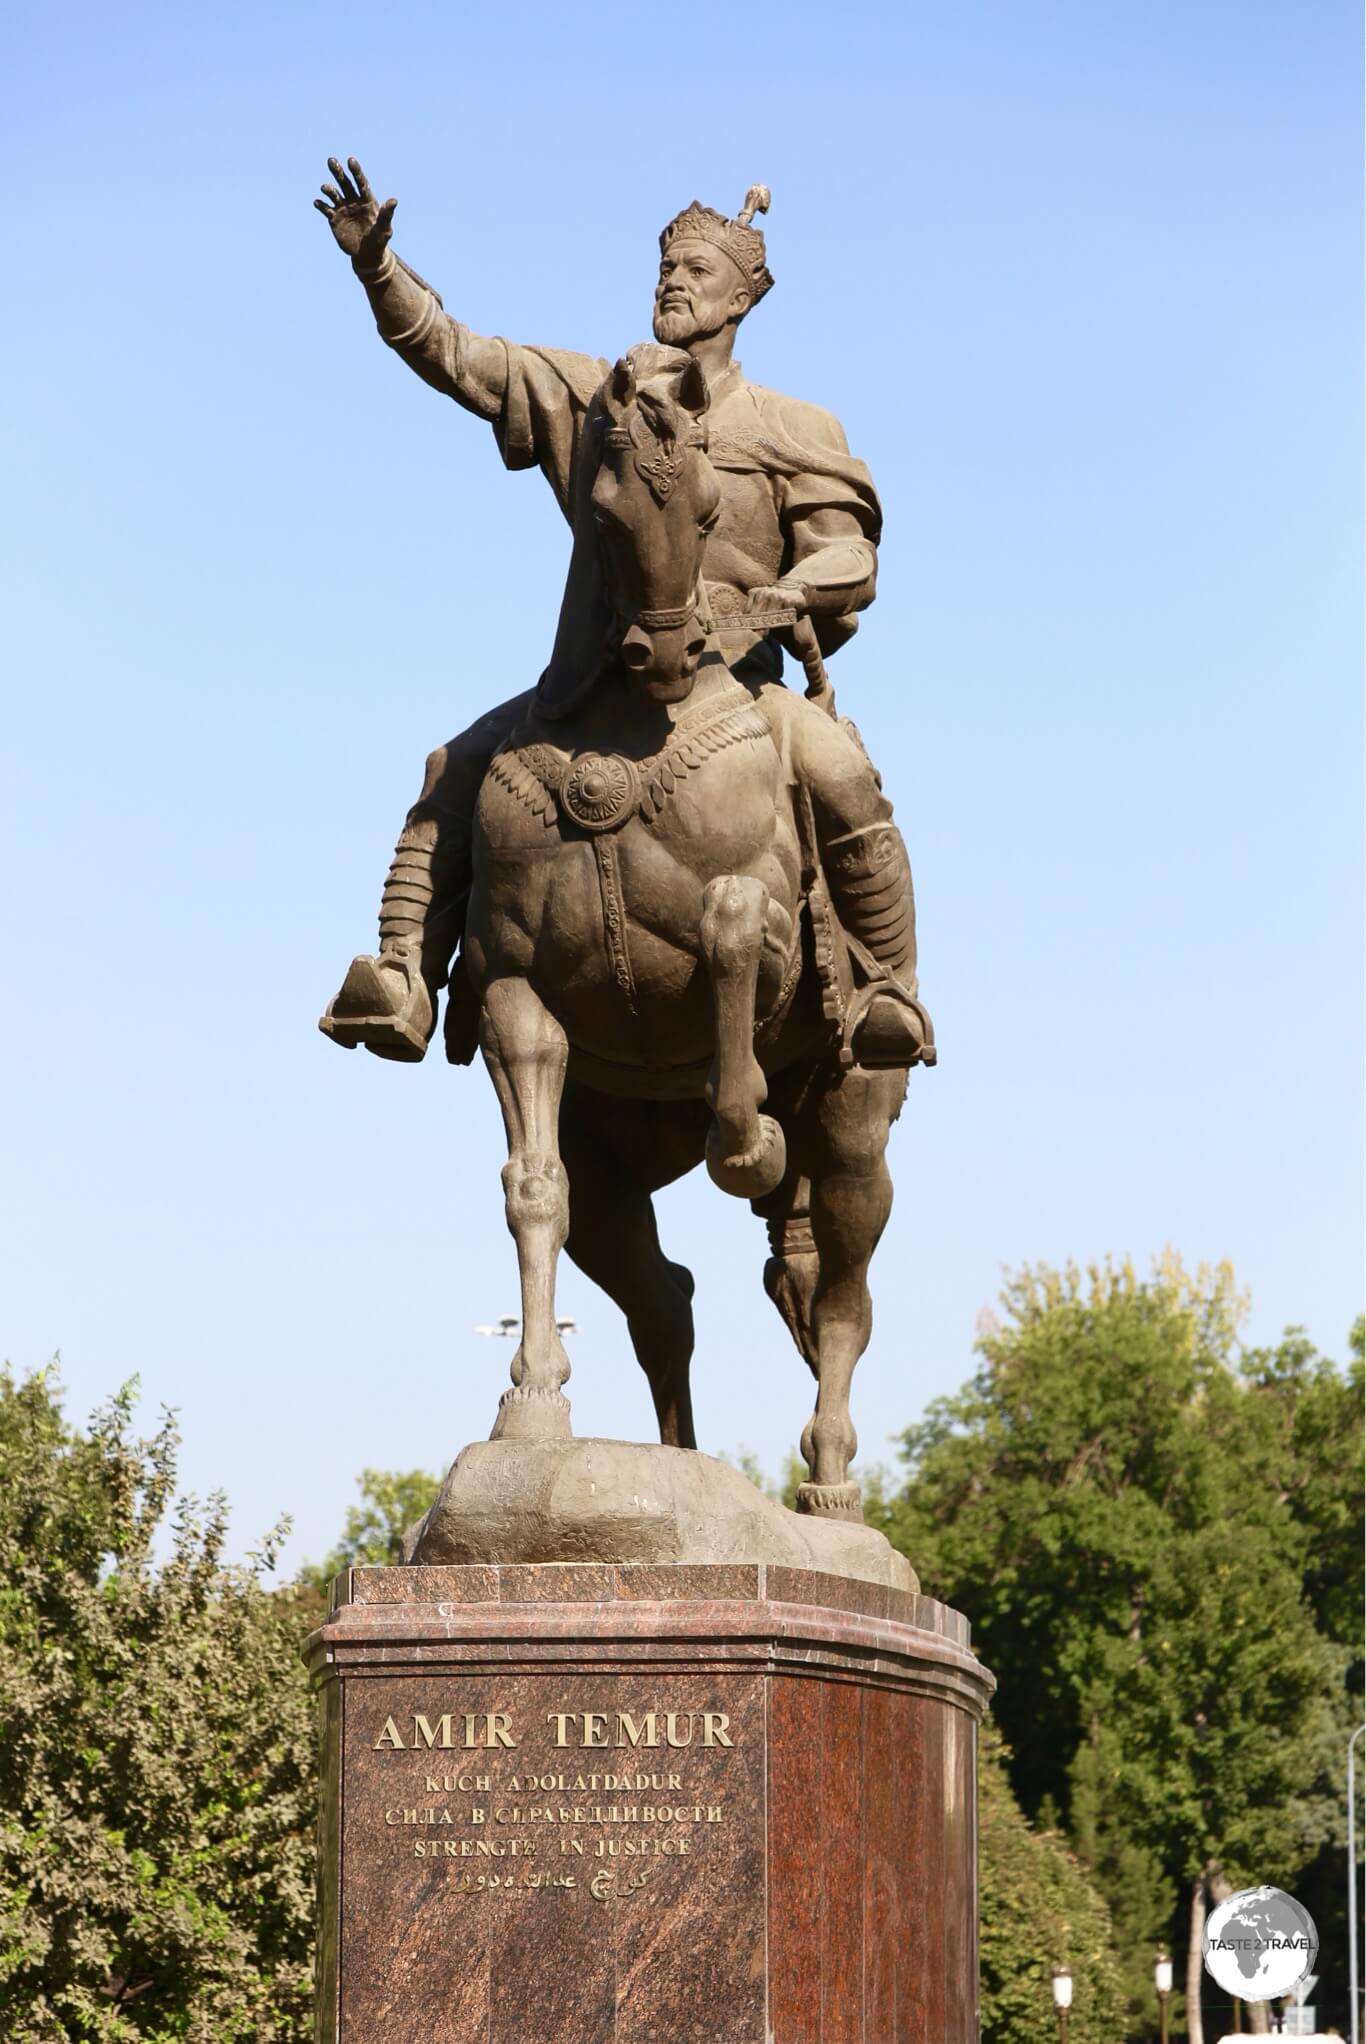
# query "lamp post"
(1062, 1999)
(1162, 1978)
(1354, 1987)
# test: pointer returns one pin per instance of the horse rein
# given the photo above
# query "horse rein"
(660, 471)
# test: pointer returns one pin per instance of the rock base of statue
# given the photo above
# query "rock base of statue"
(601, 1501)
(629, 1802)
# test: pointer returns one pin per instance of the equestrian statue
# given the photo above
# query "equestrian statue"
(663, 891)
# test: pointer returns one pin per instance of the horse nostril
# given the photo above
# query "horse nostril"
(696, 647)
(635, 652)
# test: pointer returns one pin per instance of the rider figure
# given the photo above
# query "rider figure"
(797, 532)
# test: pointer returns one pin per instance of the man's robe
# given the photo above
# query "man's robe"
(791, 494)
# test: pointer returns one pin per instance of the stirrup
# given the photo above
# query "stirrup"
(369, 1010)
(886, 1029)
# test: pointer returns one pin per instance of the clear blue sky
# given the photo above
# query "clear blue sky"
(1083, 283)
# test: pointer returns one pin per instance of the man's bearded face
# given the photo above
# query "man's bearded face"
(699, 292)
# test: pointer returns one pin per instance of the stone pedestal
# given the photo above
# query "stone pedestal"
(585, 1803)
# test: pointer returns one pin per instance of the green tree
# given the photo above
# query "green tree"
(1126, 1508)
(873, 1479)
(1311, 1463)
(1038, 1909)
(156, 1750)
(783, 1490)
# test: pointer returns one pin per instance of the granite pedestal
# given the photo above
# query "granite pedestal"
(584, 1803)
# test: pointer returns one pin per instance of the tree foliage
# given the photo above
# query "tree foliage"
(372, 1537)
(1155, 1537)
(156, 1750)
(1038, 1909)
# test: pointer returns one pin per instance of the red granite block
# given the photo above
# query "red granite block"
(701, 1584)
(642, 1810)
(883, 1877)
(941, 1826)
(842, 1848)
(837, 1593)
(553, 1582)
(794, 1870)
(465, 1585)
(959, 1820)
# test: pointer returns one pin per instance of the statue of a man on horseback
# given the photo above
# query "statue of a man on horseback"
(674, 886)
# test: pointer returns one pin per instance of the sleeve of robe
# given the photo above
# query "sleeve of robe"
(534, 398)
(829, 513)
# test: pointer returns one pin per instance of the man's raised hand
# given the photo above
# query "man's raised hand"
(360, 226)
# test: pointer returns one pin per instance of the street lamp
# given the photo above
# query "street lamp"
(1162, 1978)
(1062, 1999)
(1353, 1987)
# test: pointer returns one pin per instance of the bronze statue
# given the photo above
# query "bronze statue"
(674, 886)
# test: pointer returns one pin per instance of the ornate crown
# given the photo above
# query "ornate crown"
(741, 242)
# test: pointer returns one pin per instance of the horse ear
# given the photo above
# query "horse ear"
(623, 385)
(693, 393)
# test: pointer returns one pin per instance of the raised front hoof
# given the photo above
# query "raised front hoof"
(752, 1173)
(532, 1413)
(831, 1501)
(384, 1005)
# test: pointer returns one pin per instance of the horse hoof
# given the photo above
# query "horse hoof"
(532, 1413)
(831, 1501)
(752, 1173)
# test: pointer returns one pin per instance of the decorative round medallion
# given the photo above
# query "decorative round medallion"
(599, 791)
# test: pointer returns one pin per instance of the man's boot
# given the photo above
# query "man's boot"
(385, 1001)
(869, 877)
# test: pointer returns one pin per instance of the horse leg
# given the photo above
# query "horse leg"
(613, 1240)
(525, 1050)
(793, 1268)
(848, 1119)
(617, 1152)
(746, 1154)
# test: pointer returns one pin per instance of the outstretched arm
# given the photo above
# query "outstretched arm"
(408, 313)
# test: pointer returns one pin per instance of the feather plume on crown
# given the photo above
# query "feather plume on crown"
(736, 238)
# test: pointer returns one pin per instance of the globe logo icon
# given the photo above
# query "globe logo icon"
(1260, 1943)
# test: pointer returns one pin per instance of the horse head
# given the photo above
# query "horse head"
(655, 499)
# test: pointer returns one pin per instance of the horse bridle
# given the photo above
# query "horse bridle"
(667, 620)
(660, 473)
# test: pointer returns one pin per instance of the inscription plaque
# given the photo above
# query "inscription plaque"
(537, 1815)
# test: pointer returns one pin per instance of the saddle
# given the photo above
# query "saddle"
(875, 1022)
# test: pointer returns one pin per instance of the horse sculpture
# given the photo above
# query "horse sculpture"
(658, 970)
